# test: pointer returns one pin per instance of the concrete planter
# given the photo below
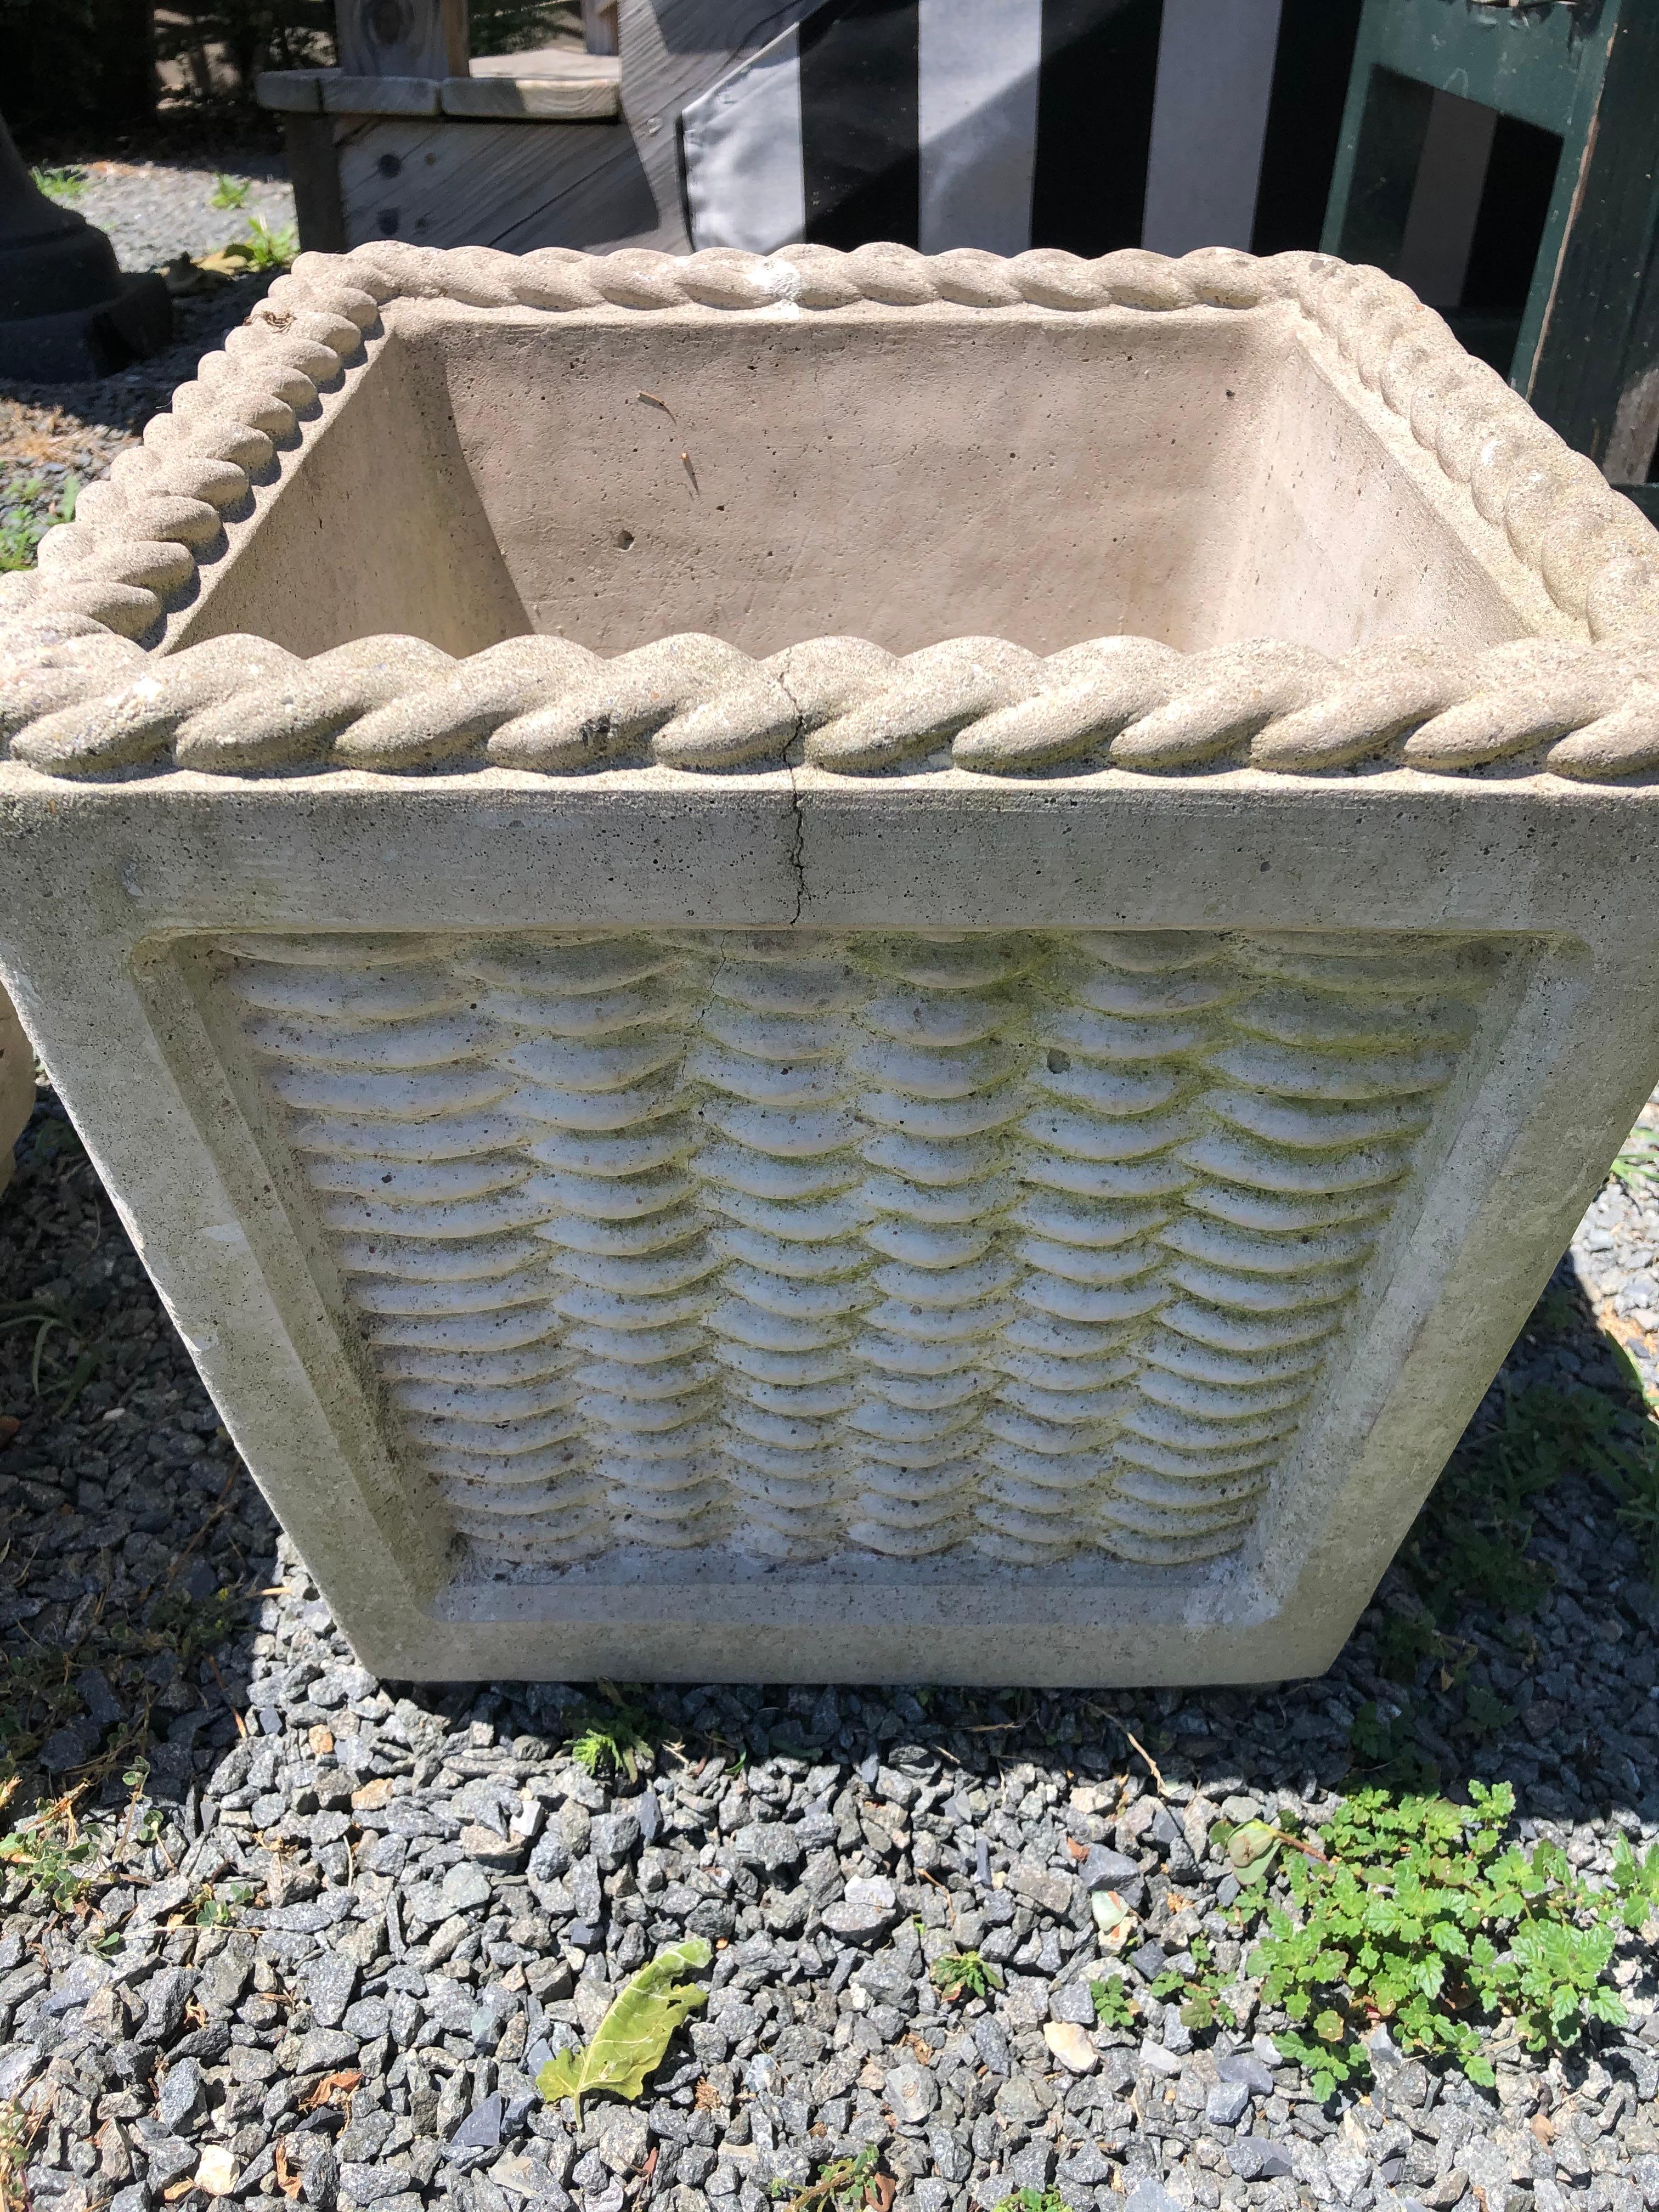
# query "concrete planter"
(684, 1144)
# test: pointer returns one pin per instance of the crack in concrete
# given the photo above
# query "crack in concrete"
(797, 846)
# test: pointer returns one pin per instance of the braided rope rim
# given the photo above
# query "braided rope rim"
(85, 693)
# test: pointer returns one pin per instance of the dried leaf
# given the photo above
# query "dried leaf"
(333, 2089)
(630, 2040)
(287, 2181)
(1114, 1921)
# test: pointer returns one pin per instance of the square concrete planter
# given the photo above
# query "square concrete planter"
(843, 966)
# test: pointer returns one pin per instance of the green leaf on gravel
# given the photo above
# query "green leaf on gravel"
(630, 2040)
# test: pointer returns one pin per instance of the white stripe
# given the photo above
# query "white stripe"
(744, 181)
(978, 63)
(1215, 68)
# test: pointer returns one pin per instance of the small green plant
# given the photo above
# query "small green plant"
(1034, 2200)
(54, 1853)
(1422, 1915)
(1113, 2006)
(65, 184)
(28, 510)
(1468, 1546)
(18, 2129)
(963, 1973)
(192, 1626)
(1637, 1163)
(614, 1739)
(1202, 2004)
(1385, 1747)
(229, 192)
(211, 1911)
(263, 248)
(844, 2184)
(37, 1694)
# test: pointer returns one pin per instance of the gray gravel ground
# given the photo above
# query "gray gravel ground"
(320, 1948)
(155, 210)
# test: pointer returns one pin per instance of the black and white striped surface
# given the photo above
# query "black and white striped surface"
(1089, 125)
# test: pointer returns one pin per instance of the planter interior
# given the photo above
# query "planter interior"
(1193, 479)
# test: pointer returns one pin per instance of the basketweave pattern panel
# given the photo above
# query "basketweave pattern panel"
(1026, 1245)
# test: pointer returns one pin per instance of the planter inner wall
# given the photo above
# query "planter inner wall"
(1192, 478)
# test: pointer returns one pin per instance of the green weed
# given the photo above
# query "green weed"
(210, 1911)
(18, 2129)
(28, 510)
(845, 2184)
(1637, 1162)
(65, 184)
(1202, 2004)
(192, 1626)
(36, 1697)
(963, 1973)
(263, 248)
(54, 1854)
(1420, 1915)
(229, 192)
(1113, 2006)
(1034, 2200)
(614, 1739)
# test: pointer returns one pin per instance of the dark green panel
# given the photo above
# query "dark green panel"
(1393, 123)
(1523, 62)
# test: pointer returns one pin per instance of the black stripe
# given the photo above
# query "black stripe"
(1094, 123)
(1304, 121)
(859, 122)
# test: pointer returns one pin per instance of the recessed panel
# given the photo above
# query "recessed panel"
(1008, 1249)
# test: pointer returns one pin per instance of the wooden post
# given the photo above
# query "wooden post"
(599, 25)
(403, 38)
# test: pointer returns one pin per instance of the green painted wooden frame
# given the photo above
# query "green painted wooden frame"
(1588, 354)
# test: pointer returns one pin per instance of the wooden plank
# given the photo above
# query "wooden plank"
(1521, 61)
(315, 174)
(507, 99)
(379, 95)
(1598, 326)
(518, 185)
(414, 38)
(599, 25)
(290, 92)
(671, 51)
(561, 61)
(1377, 173)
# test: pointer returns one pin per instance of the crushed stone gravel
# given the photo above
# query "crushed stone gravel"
(329, 1928)
(153, 212)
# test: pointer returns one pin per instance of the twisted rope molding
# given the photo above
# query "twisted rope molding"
(79, 696)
